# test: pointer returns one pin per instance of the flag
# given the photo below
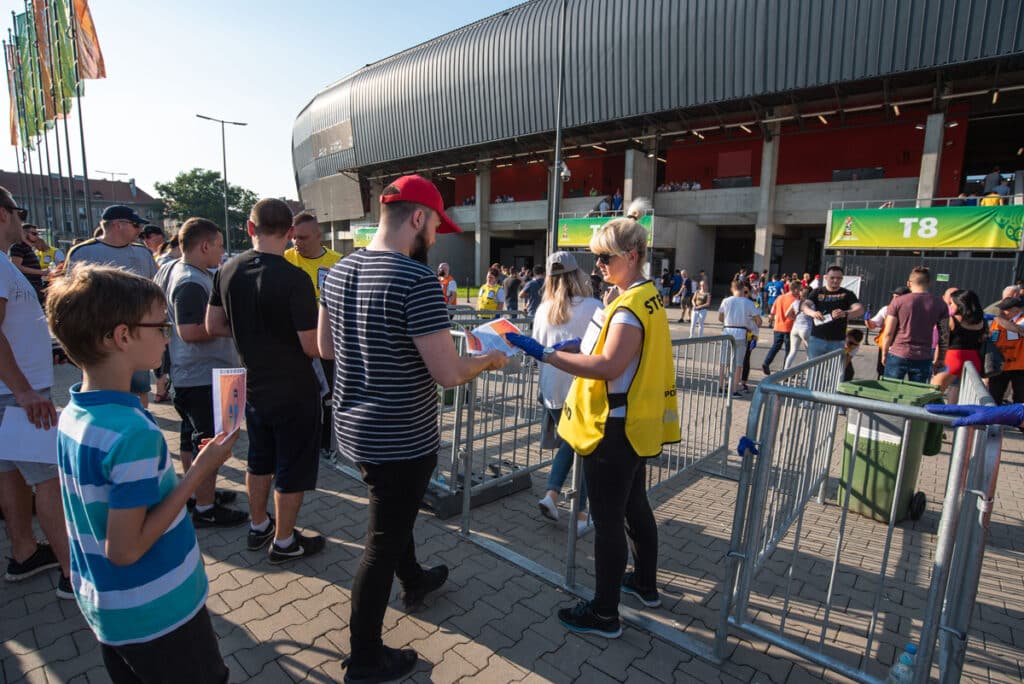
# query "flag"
(12, 93)
(41, 38)
(90, 57)
(28, 77)
(63, 55)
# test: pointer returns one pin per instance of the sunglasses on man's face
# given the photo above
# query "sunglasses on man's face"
(22, 213)
(605, 258)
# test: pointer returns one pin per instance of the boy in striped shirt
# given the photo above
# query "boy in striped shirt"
(136, 569)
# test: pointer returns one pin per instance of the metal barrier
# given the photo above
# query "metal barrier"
(793, 419)
(704, 371)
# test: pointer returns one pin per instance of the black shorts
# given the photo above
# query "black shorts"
(285, 442)
(188, 654)
(195, 406)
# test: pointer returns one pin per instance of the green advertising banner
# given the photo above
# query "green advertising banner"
(361, 235)
(928, 228)
(576, 232)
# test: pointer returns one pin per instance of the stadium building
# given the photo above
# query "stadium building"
(776, 111)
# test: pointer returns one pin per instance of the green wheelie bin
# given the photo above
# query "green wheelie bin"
(878, 449)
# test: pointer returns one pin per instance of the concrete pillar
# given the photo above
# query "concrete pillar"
(765, 228)
(931, 158)
(376, 187)
(482, 237)
(639, 178)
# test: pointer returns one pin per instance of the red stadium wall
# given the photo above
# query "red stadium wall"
(704, 160)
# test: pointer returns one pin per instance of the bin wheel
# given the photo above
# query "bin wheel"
(917, 505)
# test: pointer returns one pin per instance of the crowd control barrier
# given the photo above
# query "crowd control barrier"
(704, 370)
(846, 614)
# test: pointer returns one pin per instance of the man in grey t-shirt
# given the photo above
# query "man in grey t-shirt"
(119, 246)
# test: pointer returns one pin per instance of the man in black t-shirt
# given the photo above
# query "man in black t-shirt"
(383, 320)
(268, 307)
(830, 306)
(512, 284)
(23, 256)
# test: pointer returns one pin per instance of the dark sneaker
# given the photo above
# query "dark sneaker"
(223, 497)
(432, 580)
(301, 547)
(257, 540)
(392, 664)
(766, 369)
(582, 618)
(64, 590)
(219, 516)
(649, 597)
(42, 559)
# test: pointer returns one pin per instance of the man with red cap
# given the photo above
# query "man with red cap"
(384, 321)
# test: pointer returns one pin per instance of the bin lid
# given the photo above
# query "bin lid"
(894, 391)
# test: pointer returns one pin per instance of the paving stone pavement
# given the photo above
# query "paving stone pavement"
(494, 622)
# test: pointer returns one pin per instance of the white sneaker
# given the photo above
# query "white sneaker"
(548, 508)
(583, 526)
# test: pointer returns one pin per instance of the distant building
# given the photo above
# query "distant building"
(103, 193)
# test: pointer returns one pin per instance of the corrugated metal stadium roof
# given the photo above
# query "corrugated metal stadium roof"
(495, 79)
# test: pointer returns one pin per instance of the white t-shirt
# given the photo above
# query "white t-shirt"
(803, 322)
(879, 318)
(452, 289)
(25, 328)
(619, 385)
(554, 383)
(739, 312)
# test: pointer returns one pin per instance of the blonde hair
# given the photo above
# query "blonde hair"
(559, 292)
(620, 235)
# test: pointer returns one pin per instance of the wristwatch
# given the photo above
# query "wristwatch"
(548, 351)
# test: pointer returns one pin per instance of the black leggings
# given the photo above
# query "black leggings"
(617, 487)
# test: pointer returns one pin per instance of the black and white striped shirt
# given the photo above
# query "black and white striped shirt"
(385, 401)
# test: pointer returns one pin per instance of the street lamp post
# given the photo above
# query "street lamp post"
(556, 180)
(224, 153)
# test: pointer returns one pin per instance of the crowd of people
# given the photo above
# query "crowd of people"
(355, 347)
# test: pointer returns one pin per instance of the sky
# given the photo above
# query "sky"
(257, 61)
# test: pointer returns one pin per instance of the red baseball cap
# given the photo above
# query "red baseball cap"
(421, 191)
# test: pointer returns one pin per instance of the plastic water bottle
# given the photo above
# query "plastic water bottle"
(902, 671)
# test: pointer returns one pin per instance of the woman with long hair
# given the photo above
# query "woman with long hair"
(701, 303)
(620, 410)
(967, 331)
(563, 315)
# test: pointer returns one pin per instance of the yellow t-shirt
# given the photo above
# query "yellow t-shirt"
(317, 268)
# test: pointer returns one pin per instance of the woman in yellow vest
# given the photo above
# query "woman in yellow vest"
(620, 409)
(491, 296)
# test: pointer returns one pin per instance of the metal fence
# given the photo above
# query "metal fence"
(792, 424)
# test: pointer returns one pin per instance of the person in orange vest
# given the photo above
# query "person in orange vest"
(1007, 332)
(448, 285)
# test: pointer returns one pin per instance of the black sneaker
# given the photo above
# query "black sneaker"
(432, 580)
(64, 590)
(649, 597)
(257, 540)
(42, 559)
(301, 547)
(392, 664)
(582, 618)
(766, 369)
(219, 516)
(223, 497)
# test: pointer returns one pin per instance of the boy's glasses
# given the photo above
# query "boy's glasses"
(165, 328)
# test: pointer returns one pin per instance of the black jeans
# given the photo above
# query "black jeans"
(617, 487)
(395, 492)
(997, 386)
(188, 654)
(781, 339)
(746, 362)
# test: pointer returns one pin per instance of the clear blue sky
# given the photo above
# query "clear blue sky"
(259, 61)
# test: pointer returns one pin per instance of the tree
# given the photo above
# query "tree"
(200, 192)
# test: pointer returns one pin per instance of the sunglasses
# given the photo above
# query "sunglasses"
(22, 213)
(165, 328)
(605, 258)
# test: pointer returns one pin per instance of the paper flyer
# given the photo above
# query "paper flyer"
(228, 399)
(491, 336)
(33, 444)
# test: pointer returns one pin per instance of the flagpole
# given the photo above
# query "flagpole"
(81, 126)
(56, 128)
(67, 137)
(19, 100)
(41, 106)
(12, 88)
(40, 208)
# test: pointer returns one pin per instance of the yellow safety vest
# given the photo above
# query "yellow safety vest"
(47, 258)
(487, 300)
(652, 412)
(317, 268)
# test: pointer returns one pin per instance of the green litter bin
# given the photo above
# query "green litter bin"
(878, 449)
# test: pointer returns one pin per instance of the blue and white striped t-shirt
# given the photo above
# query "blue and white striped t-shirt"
(112, 455)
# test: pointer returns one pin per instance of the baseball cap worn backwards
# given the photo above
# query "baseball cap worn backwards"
(561, 262)
(419, 190)
(119, 212)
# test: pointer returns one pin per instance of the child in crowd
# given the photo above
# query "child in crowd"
(136, 569)
(854, 338)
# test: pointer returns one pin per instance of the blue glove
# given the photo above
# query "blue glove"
(1009, 414)
(572, 345)
(527, 344)
(746, 444)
